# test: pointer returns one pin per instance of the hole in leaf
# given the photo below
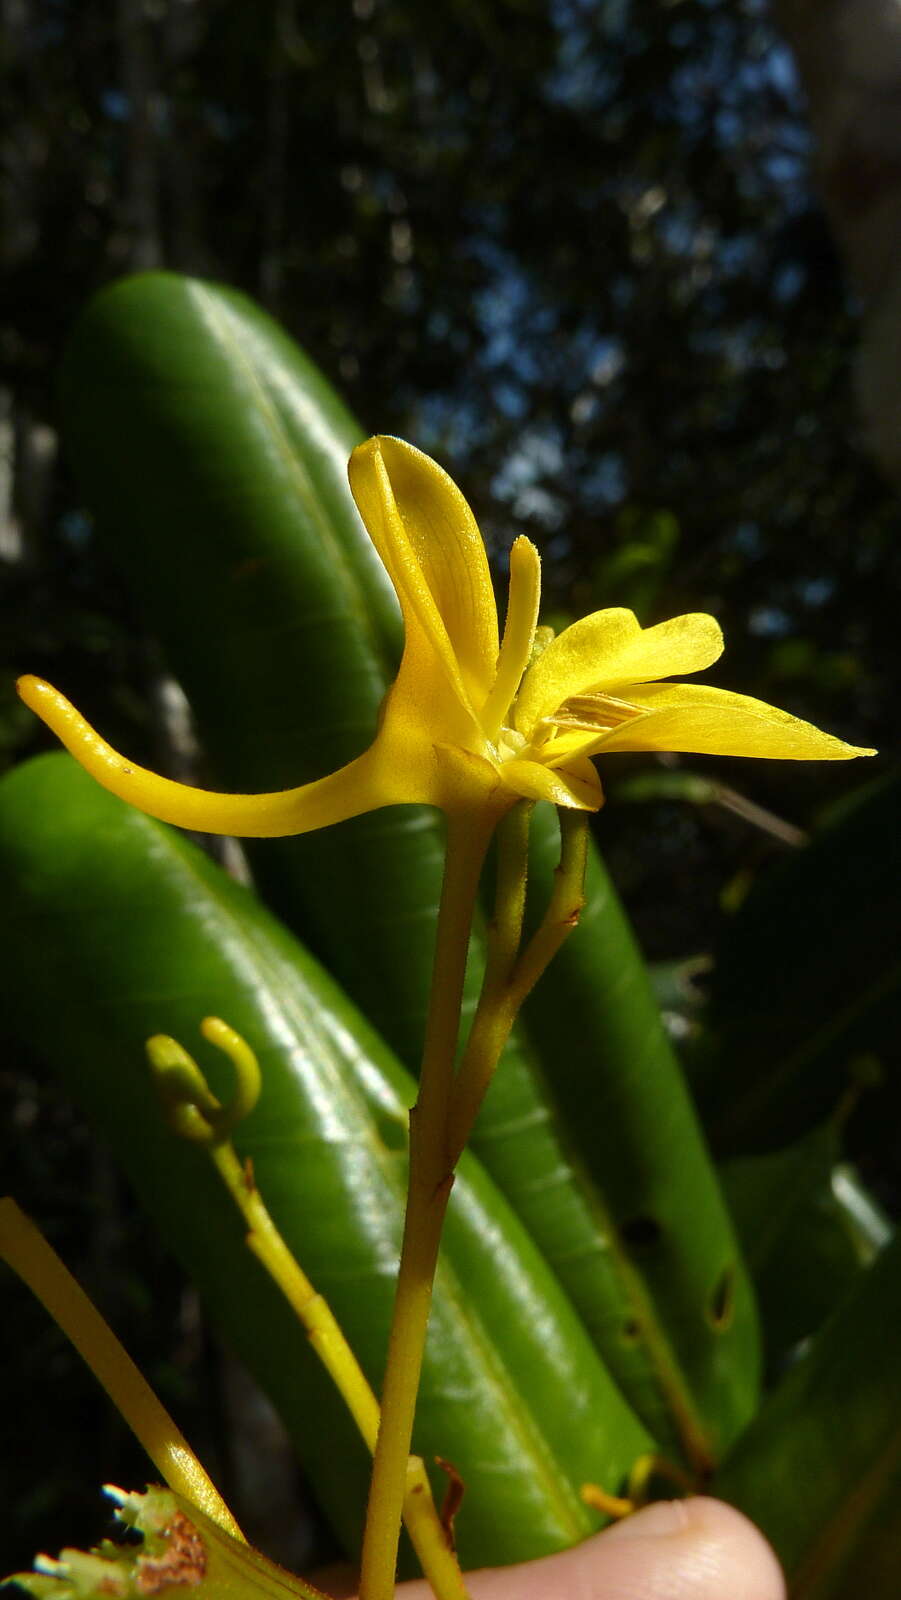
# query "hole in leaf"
(722, 1301)
(631, 1331)
(640, 1233)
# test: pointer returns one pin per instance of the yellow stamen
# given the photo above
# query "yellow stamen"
(595, 712)
(612, 1505)
(519, 634)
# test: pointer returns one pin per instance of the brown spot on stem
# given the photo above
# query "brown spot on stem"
(453, 1496)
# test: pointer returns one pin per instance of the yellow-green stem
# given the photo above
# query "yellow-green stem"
(328, 1341)
(510, 976)
(195, 1113)
(564, 908)
(420, 1516)
(505, 929)
(491, 1024)
(38, 1265)
(431, 1178)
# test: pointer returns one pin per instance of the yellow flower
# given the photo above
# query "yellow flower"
(471, 721)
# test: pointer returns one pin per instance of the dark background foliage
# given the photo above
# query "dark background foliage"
(568, 246)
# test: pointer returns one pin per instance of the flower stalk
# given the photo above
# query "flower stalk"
(195, 1113)
(429, 1186)
(510, 976)
(448, 1103)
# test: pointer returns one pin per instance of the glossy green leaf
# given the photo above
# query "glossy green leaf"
(114, 928)
(688, 1333)
(808, 1228)
(820, 1469)
(214, 456)
(191, 391)
(806, 987)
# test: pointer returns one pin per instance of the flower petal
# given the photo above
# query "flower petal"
(365, 784)
(576, 785)
(466, 782)
(572, 742)
(610, 650)
(698, 719)
(430, 544)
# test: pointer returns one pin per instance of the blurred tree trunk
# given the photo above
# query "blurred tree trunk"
(282, 49)
(849, 56)
(141, 195)
(181, 39)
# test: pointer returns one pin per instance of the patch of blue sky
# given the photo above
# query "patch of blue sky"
(788, 281)
(505, 349)
(586, 72)
(739, 348)
(783, 72)
(510, 399)
(608, 360)
(438, 323)
(814, 592)
(446, 424)
(582, 79)
(115, 104)
(524, 482)
(747, 538)
(606, 18)
(76, 528)
(682, 33)
(769, 622)
(512, 316)
(785, 168)
(684, 232)
(730, 125)
(606, 482)
(623, 291)
(537, 454)
(539, 505)
(731, 82)
(735, 254)
(591, 357)
(385, 186)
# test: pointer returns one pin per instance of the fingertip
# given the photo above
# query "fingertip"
(711, 1551)
(698, 1549)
